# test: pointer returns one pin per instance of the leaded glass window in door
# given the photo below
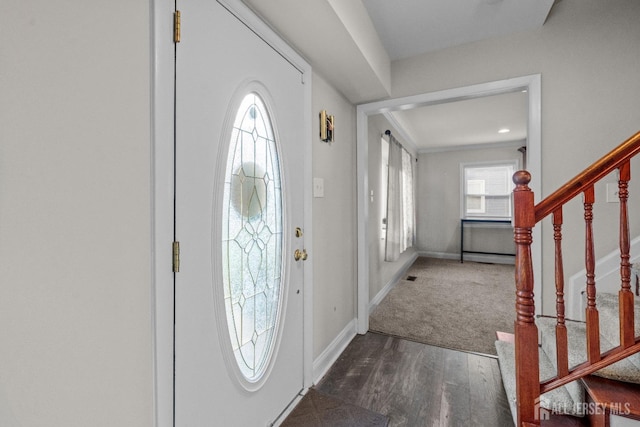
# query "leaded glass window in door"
(252, 237)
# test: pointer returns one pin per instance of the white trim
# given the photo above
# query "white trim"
(534, 165)
(515, 163)
(439, 255)
(162, 208)
(503, 144)
(534, 150)
(491, 259)
(394, 280)
(486, 258)
(362, 172)
(401, 132)
(162, 102)
(308, 236)
(323, 362)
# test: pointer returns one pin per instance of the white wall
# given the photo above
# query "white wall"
(587, 54)
(438, 204)
(75, 144)
(75, 187)
(334, 218)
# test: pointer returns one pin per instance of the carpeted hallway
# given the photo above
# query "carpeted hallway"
(450, 304)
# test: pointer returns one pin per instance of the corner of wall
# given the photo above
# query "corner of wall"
(323, 362)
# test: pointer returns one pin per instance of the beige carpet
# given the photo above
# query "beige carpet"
(451, 305)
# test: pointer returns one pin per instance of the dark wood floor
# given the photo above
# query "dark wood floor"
(419, 385)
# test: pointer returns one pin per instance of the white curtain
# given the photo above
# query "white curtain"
(400, 214)
(407, 201)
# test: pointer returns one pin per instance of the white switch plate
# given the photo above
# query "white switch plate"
(612, 192)
(318, 187)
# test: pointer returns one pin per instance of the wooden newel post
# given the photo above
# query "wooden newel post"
(526, 331)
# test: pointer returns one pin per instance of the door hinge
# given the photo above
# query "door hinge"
(176, 257)
(176, 26)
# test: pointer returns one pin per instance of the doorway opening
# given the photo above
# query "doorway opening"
(532, 84)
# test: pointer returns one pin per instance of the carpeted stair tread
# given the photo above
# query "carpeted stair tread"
(627, 370)
(571, 396)
(607, 305)
(558, 400)
(546, 327)
(624, 370)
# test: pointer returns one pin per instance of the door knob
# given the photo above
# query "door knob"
(300, 255)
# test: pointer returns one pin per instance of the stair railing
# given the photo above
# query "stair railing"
(526, 216)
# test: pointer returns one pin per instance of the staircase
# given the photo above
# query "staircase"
(589, 397)
(560, 372)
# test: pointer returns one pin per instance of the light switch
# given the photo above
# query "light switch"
(318, 187)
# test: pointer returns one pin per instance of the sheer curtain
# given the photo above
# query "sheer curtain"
(407, 201)
(400, 214)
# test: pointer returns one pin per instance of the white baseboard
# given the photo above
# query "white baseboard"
(327, 358)
(486, 258)
(607, 280)
(439, 255)
(330, 354)
(396, 277)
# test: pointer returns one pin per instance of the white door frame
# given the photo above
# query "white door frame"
(162, 158)
(532, 83)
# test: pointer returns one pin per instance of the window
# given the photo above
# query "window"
(487, 189)
(475, 196)
(252, 238)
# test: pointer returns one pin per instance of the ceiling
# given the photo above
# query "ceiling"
(352, 44)
(464, 124)
(412, 27)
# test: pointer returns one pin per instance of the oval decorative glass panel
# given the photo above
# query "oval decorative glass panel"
(252, 238)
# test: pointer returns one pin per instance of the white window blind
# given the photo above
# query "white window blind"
(487, 190)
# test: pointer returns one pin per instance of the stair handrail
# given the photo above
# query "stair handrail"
(526, 216)
(603, 167)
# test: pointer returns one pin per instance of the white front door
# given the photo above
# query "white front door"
(239, 200)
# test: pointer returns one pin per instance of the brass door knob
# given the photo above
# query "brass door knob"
(300, 255)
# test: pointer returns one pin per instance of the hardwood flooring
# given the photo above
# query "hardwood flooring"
(320, 410)
(414, 384)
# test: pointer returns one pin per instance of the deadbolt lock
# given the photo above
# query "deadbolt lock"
(298, 232)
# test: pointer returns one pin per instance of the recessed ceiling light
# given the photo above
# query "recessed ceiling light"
(504, 130)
